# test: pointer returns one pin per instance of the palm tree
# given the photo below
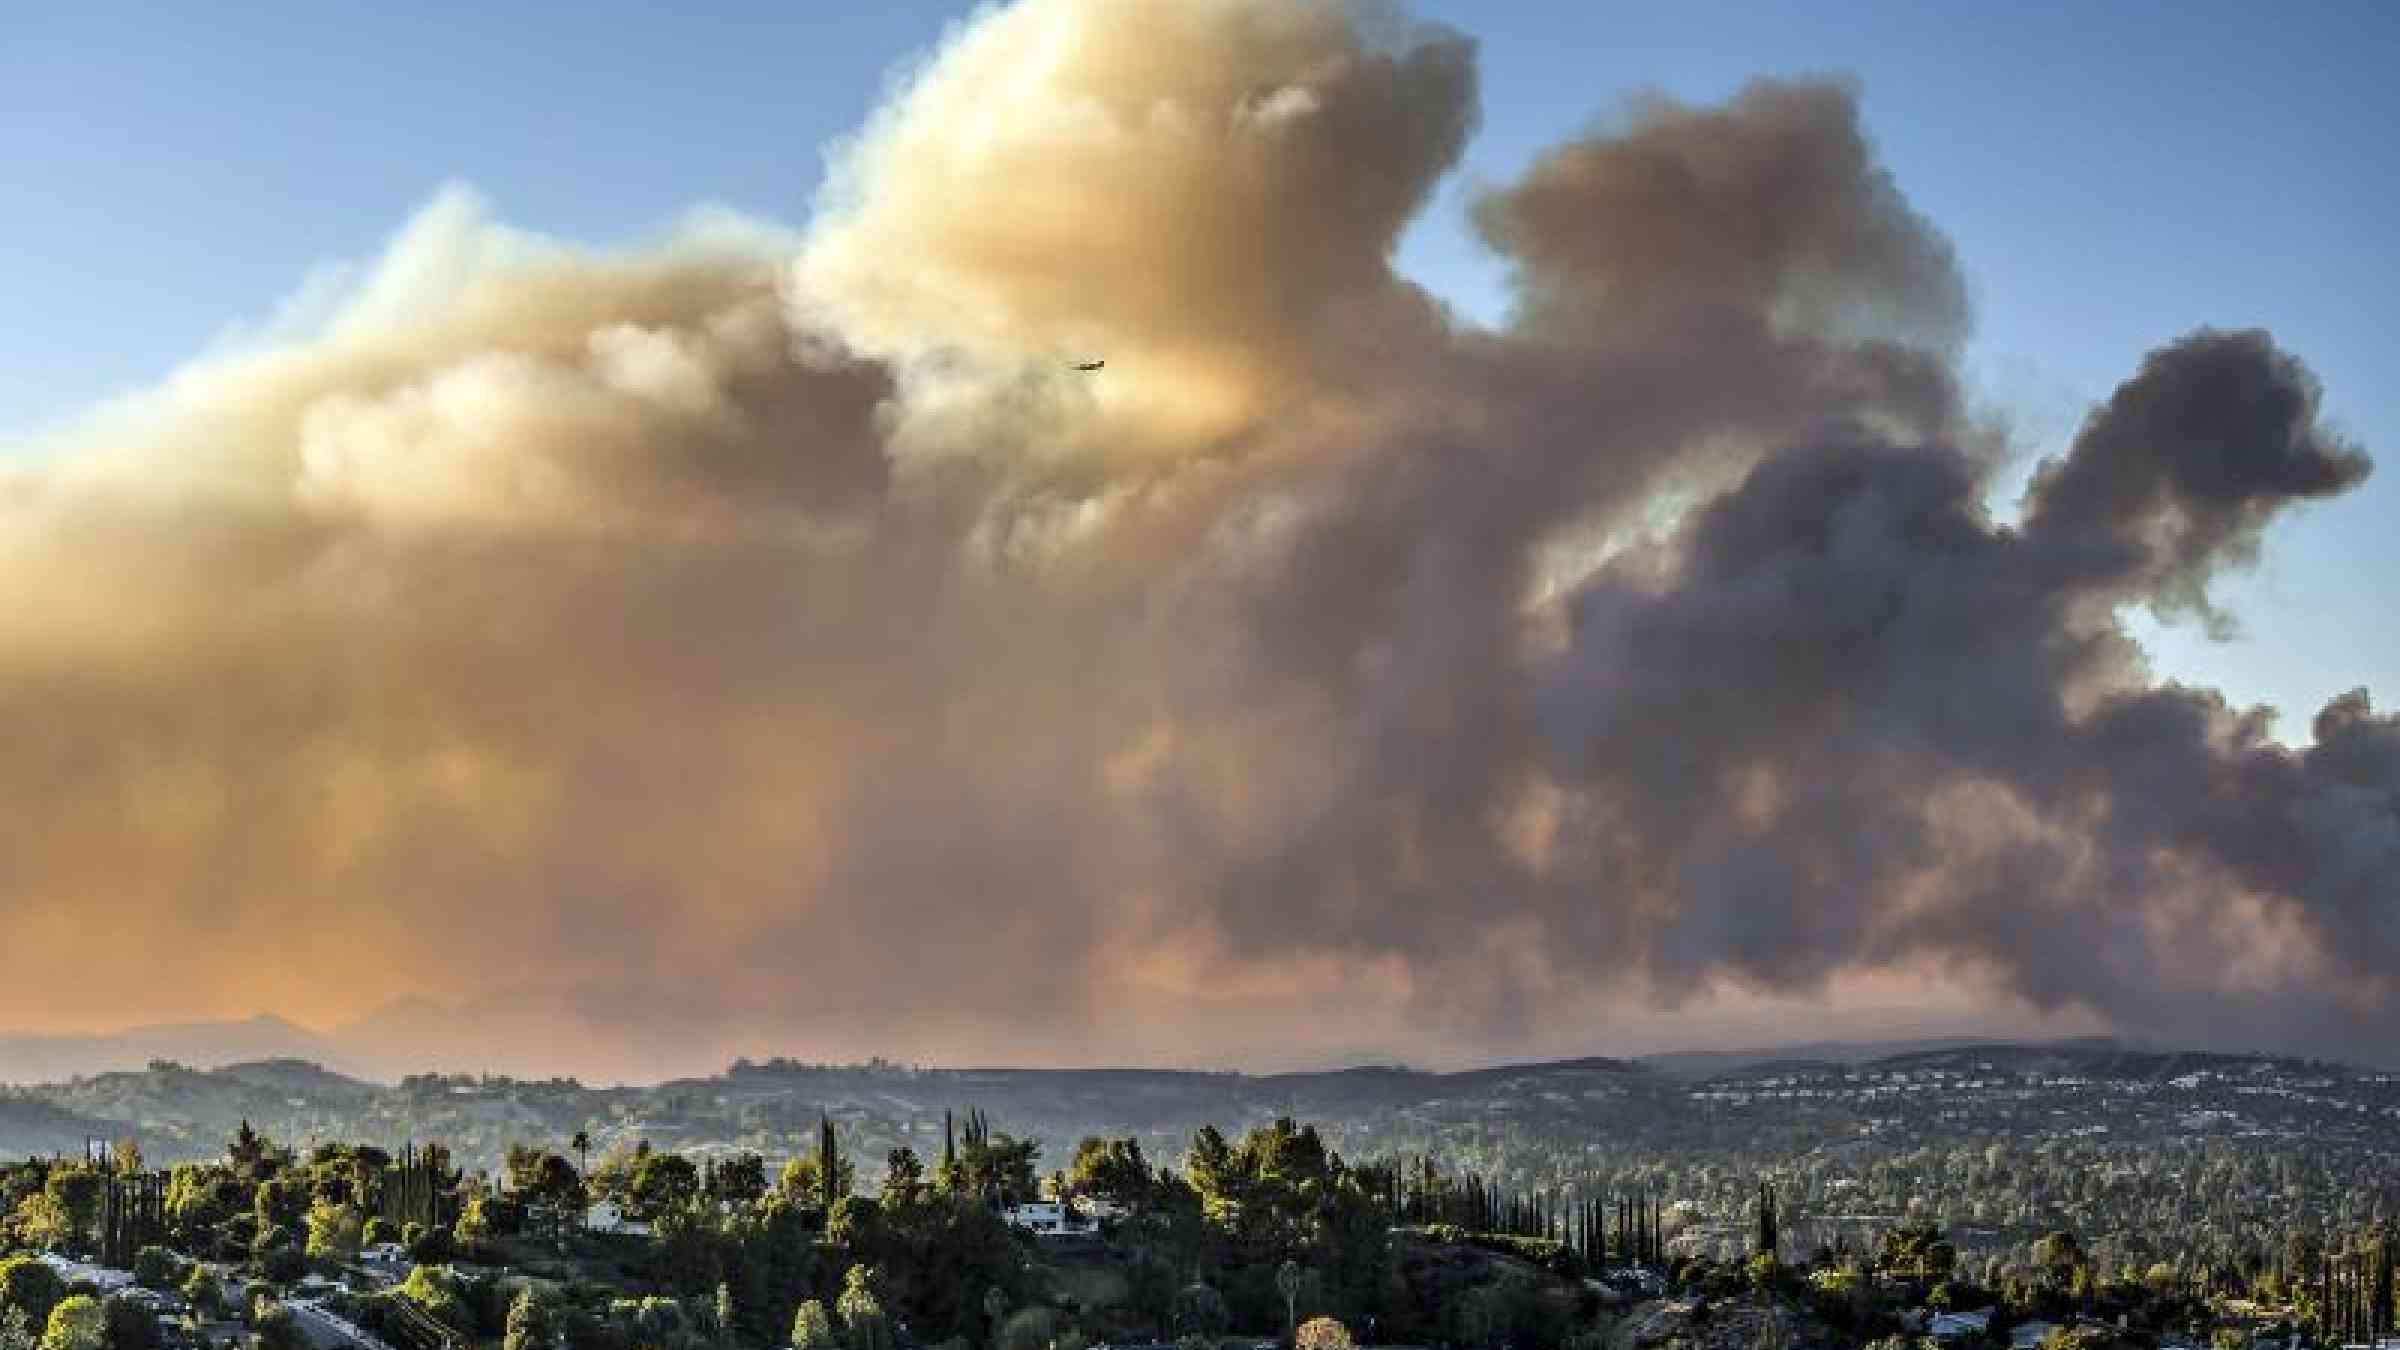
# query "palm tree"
(582, 1144)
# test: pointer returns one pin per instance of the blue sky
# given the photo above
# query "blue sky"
(2111, 175)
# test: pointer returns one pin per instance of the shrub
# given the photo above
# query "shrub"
(812, 1327)
(1322, 1333)
(155, 1268)
(277, 1329)
(31, 1287)
(201, 1290)
(131, 1325)
(77, 1323)
(1200, 1311)
(283, 1264)
(1028, 1329)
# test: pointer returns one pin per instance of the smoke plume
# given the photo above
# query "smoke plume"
(764, 642)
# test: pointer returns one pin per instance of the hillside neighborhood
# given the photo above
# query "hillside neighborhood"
(2081, 1196)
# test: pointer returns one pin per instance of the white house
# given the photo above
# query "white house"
(608, 1217)
(1046, 1218)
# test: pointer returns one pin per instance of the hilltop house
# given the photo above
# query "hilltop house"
(609, 1217)
(1048, 1218)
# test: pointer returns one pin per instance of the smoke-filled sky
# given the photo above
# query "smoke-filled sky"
(1502, 596)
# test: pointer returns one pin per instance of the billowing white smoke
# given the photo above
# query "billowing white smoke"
(767, 643)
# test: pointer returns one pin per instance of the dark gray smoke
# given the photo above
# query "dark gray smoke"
(1842, 715)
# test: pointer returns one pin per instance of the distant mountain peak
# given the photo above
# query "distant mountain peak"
(39, 1057)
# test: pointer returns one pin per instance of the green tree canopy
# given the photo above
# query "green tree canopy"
(740, 1179)
(812, 1327)
(536, 1321)
(335, 1231)
(277, 1328)
(131, 1325)
(1112, 1170)
(77, 1323)
(662, 1182)
(864, 1324)
(28, 1285)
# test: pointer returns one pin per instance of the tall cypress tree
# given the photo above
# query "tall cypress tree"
(829, 1162)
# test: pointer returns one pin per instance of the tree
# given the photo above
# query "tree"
(582, 1144)
(131, 1325)
(535, 1321)
(474, 1224)
(664, 1182)
(250, 1153)
(2058, 1254)
(201, 1290)
(283, 1202)
(28, 1285)
(1112, 1170)
(992, 1167)
(40, 1221)
(1150, 1288)
(201, 1199)
(425, 1246)
(552, 1192)
(154, 1267)
(438, 1291)
(335, 1232)
(1200, 1311)
(863, 1320)
(688, 1248)
(277, 1328)
(77, 1323)
(741, 1179)
(1919, 1251)
(812, 1329)
(903, 1179)
(16, 1332)
(830, 1181)
(647, 1322)
(276, 1250)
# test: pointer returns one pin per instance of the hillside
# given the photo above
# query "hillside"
(1788, 1105)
